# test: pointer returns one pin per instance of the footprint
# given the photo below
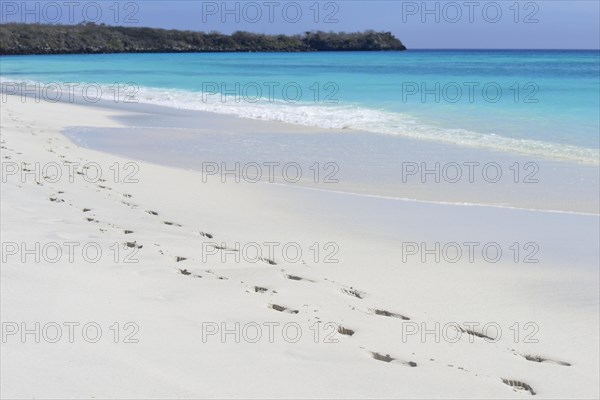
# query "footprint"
(383, 358)
(283, 309)
(152, 212)
(260, 289)
(127, 232)
(171, 223)
(267, 260)
(223, 246)
(474, 333)
(207, 235)
(389, 314)
(538, 359)
(179, 259)
(297, 278)
(353, 292)
(87, 210)
(184, 272)
(387, 358)
(221, 278)
(133, 245)
(345, 331)
(518, 385)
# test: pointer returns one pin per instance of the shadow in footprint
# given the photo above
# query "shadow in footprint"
(267, 260)
(172, 223)
(387, 358)
(297, 278)
(383, 358)
(345, 331)
(538, 359)
(385, 313)
(188, 273)
(518, 385)
(283, 309)
(353, 292)
(474, 333)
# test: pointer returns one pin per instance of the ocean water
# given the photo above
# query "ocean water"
(539, 103)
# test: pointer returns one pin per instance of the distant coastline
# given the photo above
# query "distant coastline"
(30, 39)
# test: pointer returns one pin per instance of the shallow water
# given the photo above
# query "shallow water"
(230, 149)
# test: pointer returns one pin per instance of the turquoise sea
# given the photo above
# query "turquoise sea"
(543, 103)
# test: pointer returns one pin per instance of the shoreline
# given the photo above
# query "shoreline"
(562, 186)
(443, 202)
(177, 286)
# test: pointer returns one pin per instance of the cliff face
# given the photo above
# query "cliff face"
(90, 38)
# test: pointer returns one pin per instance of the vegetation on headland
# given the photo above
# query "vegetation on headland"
(89, 38)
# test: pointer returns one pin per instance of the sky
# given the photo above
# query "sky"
(421, 24)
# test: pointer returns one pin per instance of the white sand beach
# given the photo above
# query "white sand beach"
(357, 314)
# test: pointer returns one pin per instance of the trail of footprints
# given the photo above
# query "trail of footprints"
(516, 385)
